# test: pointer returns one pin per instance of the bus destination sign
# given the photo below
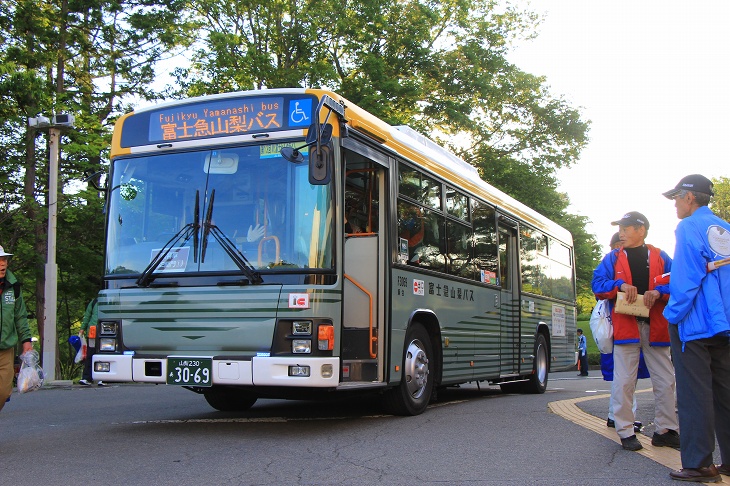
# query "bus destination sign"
(227, 117)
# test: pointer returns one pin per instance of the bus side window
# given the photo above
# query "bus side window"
(504, 261)
(361, 196)
(352, 224)
(485, 242)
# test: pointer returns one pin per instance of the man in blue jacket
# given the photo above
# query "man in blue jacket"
(698, 312)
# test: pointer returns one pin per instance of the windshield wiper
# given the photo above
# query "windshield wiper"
(207, 225)
(190, 229)
(238, 258)
(182, 236)
(228, 246)
(196, 234)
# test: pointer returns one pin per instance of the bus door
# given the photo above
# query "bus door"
(364, 206)
(509, 309)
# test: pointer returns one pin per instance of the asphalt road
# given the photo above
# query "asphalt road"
(131, 434)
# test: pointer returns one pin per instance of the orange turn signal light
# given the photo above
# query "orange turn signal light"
(326, 337)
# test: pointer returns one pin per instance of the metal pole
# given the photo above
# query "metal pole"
(49, 313)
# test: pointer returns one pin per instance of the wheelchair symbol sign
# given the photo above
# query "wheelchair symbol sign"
(300, 113)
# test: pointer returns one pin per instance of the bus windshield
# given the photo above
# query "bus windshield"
(250, 197)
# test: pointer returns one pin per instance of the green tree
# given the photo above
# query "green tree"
(439, 67)
(91, 59)
(721, 201)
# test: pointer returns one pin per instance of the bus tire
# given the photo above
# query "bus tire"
(539, 377)
(227, 399)
(413, 393)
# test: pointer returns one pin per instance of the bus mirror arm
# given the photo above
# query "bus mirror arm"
(318, 133)
(293, 154)
(94, 179)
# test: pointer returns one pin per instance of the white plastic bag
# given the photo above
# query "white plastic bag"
(81, 354)
(30, 376)
(601, 326)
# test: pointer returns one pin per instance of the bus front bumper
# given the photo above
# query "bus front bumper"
(258, 371)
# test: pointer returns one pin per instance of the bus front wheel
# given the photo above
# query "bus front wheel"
(413, 393)
(229, 399)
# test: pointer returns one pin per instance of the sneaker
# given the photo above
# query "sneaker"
(670, 438)
(100, 383)
(631, 443)
(610, 423)
(638, 426)
(85, 383)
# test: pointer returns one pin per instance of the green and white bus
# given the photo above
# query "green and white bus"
(285, 243)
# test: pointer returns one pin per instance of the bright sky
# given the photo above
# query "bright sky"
(652, 76)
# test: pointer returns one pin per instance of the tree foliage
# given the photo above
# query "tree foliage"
(721, 201)
(91, 59)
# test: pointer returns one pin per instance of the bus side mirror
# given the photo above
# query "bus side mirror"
(320, 165)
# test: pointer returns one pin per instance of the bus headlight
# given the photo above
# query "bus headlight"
(301, 346)
(102, 366)
(107, 328)
(299, 328)
(107, 344)
(299, 370)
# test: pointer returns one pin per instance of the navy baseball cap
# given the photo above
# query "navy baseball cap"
(615, 239)
(633, 218)
(694, 183)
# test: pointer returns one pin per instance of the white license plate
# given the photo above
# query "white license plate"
(190, 371)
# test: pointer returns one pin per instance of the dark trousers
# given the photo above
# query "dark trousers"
(86, 373)
(702, 371)
(583, 364)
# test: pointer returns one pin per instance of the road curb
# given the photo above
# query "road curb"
(568, 409)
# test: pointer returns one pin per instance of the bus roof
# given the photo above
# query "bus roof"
(403, 140)
(432, 156)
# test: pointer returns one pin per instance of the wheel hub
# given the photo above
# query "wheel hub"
(416, 369)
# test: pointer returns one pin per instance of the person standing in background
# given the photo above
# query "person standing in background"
(607, 365)
(582, 353)
(91, 316)
(13, 326)
(698, 312)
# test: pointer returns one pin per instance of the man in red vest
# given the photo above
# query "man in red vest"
(631, 269)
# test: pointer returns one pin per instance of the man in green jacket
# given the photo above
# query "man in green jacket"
(91, 316)
(13, 326)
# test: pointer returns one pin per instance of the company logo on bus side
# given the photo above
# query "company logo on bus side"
(299, 301)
